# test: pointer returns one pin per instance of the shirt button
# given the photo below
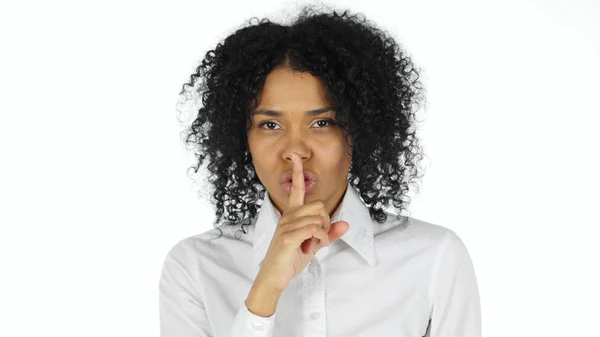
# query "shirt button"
(315, 315)
(313, 268)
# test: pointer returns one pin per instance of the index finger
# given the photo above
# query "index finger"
(296, 198)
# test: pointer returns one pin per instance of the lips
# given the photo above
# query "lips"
(309, 185)
(287, 176)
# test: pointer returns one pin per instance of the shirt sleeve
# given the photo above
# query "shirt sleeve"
(454, 292)
(181, 307)
(249, 324)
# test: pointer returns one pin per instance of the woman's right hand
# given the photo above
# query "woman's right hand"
(302, 230)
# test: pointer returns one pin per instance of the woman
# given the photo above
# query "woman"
(309, 132)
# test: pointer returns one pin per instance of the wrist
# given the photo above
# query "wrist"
(262, 301)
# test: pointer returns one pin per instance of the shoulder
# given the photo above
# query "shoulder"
(414, 234)
(448, 248)
(211, 243)
(410, 228)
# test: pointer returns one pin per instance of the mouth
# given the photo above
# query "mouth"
(309, 185)
(308, 176)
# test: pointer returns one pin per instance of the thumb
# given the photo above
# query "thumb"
(337, 230)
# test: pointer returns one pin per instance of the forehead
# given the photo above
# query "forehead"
(289, 90)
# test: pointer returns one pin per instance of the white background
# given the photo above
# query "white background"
(93, 183)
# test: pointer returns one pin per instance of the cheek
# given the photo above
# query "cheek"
(336, 155)
(262, 158)
(256, 145)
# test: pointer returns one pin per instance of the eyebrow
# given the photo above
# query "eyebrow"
(276, 113)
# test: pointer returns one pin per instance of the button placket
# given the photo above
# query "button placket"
(314, 299)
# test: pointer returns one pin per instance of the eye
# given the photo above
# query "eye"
(263, 123)
(328, 122)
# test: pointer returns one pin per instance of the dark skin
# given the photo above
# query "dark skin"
(320, 144)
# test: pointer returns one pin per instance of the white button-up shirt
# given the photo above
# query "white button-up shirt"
(401, 278)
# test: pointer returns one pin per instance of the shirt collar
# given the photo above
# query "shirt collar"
(352, 210)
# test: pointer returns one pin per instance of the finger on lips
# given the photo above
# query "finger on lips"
(296, 198)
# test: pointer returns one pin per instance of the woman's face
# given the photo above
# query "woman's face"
(319, 143)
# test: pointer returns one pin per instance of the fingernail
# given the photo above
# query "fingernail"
(293, 158)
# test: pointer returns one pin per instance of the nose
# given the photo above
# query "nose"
(297, 145)
(302, 154)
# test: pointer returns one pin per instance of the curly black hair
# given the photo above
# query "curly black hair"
(374, 88)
